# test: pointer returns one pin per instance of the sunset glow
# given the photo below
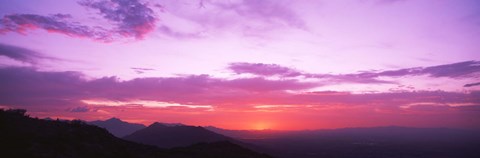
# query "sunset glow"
(244, 64)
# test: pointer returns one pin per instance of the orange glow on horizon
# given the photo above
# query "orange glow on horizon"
(261, 126)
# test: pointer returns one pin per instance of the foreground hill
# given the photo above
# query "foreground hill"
(22, 136)
(118, 127)
(164, 136)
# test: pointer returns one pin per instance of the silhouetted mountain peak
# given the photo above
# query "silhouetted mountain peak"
(157, 125)
(167, 124)
(114, 119)
(165, 136)
(118, 127)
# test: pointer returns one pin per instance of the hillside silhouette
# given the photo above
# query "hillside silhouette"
(23, 136)
(118, 127)
(164, 136)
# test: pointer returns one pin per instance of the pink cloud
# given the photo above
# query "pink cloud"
(58, 24)
(130, 18)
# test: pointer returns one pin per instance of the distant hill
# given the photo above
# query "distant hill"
(22, 136)
(165, 136)
(248, 134)
(118, 127)
(373, 142)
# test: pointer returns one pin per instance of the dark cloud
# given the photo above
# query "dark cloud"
(132, 18)
(455, 70)
(28, 87)
(22, 54)
(465, 69)
(81, 109)
(461, 69)
(472, 84)
(57, 23)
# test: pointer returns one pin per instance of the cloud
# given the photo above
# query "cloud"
(263, 69)
(178, 34)
(464, 69)
(139, 70)
(461, 69)
(186, 98)
(259, 84)
(58, 23)
(136, 19)
(472, 84)
(131, 17)
(28, 87)
(249, 18)
(81, 109)
(267, 11)
(22, 54)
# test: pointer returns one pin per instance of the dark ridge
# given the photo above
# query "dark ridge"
(23, 136)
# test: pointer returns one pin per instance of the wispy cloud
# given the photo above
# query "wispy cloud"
(455, 70)
(472, 84)
(267, 11)
(22, 54)
(249, 18)
(140, 70)
(263, 69)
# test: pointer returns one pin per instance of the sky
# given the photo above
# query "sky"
(245, 64)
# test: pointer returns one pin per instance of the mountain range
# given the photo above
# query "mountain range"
(164, 136)
(23, 136)
(389, 141)
(372, 142)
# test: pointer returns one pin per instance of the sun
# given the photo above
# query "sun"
(261, 126)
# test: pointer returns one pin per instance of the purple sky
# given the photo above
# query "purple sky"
(282, 64)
